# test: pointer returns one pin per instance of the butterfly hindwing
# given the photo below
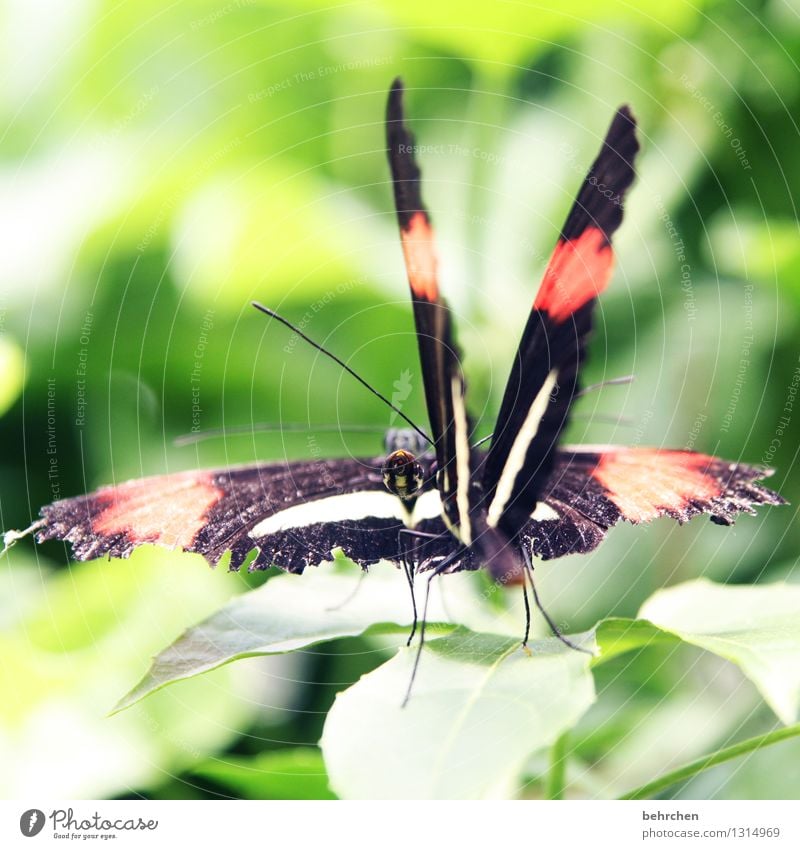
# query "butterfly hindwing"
(295, 514)
(544, 376)
(589, 490)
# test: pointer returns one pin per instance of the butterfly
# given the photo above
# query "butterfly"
(435, 502)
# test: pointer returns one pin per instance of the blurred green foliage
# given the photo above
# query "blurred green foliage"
(162, 166)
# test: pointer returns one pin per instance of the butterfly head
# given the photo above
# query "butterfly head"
(402, 474)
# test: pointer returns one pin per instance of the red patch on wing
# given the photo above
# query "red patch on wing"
(418, 249)
(167, 510)
(648, 483)
(578, 271)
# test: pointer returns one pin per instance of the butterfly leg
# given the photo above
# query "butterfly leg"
(409, 568)
(527, 618)
(447, 562)
(553, 627)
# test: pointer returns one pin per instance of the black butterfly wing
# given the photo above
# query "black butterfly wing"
(544, 376)
(590, 490)
(441, 376)
(298, 514)
(295, 514)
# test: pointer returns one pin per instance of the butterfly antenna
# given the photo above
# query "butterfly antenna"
(292, 327)
(602, 418)
(269, 427)
(614, 381)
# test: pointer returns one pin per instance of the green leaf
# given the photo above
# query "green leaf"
(755, 627)
(617, 636)
(284, 774)
(78, 639)
(479, 708)
(287, 613)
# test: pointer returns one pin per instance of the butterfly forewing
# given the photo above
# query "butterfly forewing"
(437, 349)
(294, 514)
(544, 375)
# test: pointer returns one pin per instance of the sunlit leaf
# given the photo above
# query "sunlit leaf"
(755, 627)
(479, 708)
(287, 613)
(617, 636)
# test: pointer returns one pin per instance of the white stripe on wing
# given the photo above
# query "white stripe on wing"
(544, 513)
(463, 470)
(353, 506)
(519, 449)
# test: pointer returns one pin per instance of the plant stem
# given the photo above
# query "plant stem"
(718, 757)
(556, 777)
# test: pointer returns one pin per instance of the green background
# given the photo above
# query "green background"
(164, 165)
